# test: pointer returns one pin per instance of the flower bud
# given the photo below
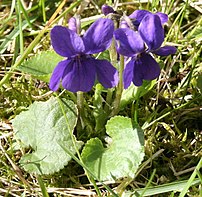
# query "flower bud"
(107, 9)
(74, 24)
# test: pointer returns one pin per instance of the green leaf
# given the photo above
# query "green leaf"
(104, 55)
(199, 83)
(196, 33)
(123, 154)
(133, 92)
(41, 65)
(42, 127)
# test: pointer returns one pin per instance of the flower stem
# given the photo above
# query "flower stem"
(115, 107)
(113, 58)
(79, 160)
(80, 101)
(108, 101)
(113, 54)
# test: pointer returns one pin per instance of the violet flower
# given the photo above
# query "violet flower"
(138, 45)
(138, 15)
(79, 71)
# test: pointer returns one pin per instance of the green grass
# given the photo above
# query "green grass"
(170, 113)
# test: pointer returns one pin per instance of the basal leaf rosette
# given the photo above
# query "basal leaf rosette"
(122, 155)
(43, 127)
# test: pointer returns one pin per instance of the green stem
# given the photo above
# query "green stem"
(42, 186)
(91, 180)
(20, 27)
(149, 183)
(135, 116)
(124, 183)
(25, 13)
(180, 21)
(108, 101)
(80, 102)
(113, 53)
(67, 121)
(113, 57)
(42, 5)
(119, 91)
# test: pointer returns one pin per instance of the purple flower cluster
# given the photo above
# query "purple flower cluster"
(139, 44)
(80, 69)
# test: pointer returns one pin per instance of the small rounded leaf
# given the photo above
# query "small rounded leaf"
(123, 154)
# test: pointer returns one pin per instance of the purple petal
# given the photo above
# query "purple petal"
(145, 68)
(72, 24)
(80, 76)
(163, 17)
(99, 36)
(165, 51)
(66, 42)
(128, 74)
(128, 42)
(107, 75)
(152, 31)
(124, 24)
(107, 9)
(58, 74)
(138, 15)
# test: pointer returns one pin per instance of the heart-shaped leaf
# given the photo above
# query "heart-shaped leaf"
(123, 154)
(133, 92)
(43, 127)
(41, 65)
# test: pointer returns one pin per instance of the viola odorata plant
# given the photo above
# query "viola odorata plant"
(132, 44)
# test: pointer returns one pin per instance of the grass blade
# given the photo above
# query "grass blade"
(13, 35)
(175, 186)
(25, 13)
(191, 179)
